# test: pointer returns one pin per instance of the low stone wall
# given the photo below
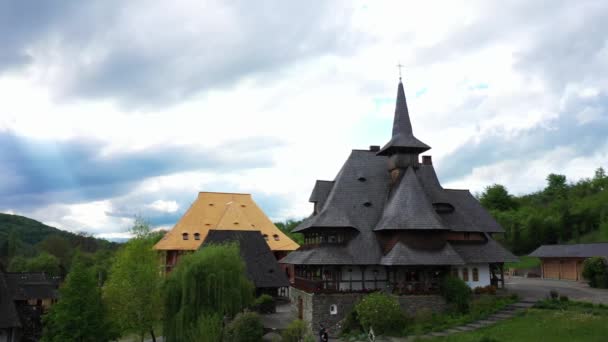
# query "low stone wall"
(330, 310)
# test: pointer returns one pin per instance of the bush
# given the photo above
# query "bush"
(246, 327)
(264, 304)
(596, 272)
(563, 298)
(457, 293)
(351, 323)
(553, 294)
(381, 312)
(296, 331)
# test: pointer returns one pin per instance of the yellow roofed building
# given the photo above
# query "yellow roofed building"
(220, 211)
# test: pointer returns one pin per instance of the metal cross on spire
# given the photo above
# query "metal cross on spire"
(399, 65)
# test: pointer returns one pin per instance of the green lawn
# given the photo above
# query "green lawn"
(524, 263)
(542, 325)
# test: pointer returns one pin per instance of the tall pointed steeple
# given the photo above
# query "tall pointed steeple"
(403, 140)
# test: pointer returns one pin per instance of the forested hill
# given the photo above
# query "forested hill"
(563, 212)
(22, 236)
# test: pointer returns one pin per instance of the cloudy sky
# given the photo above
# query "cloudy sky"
(111, 109)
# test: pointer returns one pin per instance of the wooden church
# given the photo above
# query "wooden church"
(385, 222)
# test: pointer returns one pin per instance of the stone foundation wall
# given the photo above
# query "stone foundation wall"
(317, 308)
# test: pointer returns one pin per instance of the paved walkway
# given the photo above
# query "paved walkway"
(536, 289)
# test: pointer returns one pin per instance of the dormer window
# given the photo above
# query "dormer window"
(367, 204)
(276, 237)
(185, 236)
(197, 236)
(362, 179)
(265, 237)
(443, 208)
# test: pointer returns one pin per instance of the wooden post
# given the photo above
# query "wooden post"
(502, 275)
(362, 277)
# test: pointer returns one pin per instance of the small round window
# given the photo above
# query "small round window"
(276, 237)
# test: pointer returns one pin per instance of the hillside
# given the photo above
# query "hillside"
(22, 236)
(563, 212)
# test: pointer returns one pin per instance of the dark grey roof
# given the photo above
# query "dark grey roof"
(31, 285)
(323, 255)
(583, 250)
(9, 317)
(320, 192)
(488, 251)
(403, 138)
(403, 255)
(468, 214)
(262, 267)
(409, 207)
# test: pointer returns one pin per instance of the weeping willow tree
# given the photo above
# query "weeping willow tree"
(205, 286)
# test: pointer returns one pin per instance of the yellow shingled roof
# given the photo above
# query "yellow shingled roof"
(227, 211)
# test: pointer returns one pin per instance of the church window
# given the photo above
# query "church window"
(197, 236)
(185, 236)
(276, 237)
(475, 274)
(465, 274)
(333, 309)
(266, 237)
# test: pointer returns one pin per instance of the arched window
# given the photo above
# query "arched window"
(185, 236)
(197, 236)
(276, 237)
(475, 274)
(465, 274)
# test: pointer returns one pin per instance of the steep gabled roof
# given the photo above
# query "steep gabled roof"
(409, 207)
(403, 139)
(488, 251)
(262, 267)
(228, 211)
(404, 255)
(31, 285)
(468, 214)
(582, 250)
(320, 192)
(357, 196)
(9, 317)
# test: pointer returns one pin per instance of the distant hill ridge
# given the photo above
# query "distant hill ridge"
(31, 232)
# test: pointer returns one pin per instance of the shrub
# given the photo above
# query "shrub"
(264, 304)
(488, 339)
(296, 331)
(246, 327)
(596, 272)
(351, 323)
(553, 294)
(457, 293)
(381, 312)
(563, 298)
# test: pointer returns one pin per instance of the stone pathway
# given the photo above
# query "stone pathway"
(506, 313)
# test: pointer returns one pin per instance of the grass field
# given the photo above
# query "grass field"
(542, 325)
(524, 263)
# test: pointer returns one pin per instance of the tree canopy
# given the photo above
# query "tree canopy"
(563, 212)
(206, 284)
(80, 314)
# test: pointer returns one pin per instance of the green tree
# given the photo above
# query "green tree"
(209, 282)
(496, 197)
(58, 246)
(80, 314)
(556, 185)
(44, 262)
(287, 227)
(133, 289)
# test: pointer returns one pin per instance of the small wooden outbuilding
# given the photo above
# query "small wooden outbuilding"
(566, 261)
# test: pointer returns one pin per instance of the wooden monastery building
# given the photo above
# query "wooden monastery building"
(385, 222)
(216, 217)
(566, 261)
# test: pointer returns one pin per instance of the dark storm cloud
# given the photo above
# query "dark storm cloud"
(38, 172)
(128, 52)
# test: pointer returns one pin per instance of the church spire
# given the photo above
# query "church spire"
(403, 139)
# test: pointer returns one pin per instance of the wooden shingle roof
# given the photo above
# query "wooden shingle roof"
(226, 211)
